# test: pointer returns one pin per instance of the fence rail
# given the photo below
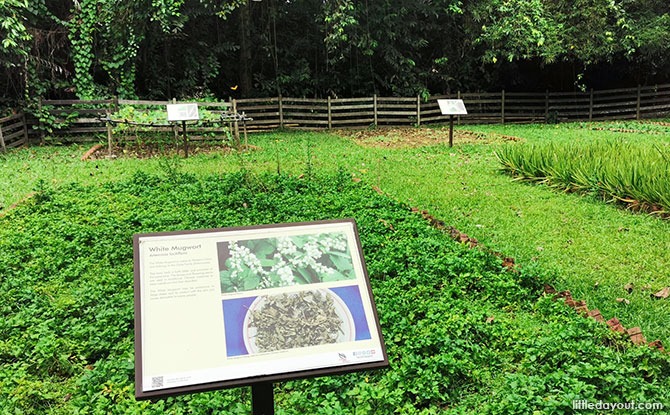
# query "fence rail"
(83, 117)
(13, 131)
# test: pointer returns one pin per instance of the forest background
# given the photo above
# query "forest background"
(207, 49)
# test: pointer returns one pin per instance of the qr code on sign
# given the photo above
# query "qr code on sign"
(157, 382)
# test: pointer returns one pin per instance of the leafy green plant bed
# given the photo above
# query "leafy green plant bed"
(593, 249)
(464, 334)
(647, 127)
(635, 174)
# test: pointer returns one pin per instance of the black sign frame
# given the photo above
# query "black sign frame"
(349, 362)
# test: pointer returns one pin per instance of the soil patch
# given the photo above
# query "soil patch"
(418, 137)
(148, 151)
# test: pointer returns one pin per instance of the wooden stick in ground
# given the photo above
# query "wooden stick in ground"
(183, 129)
(109, 134)
(2, 141)
(246, 141)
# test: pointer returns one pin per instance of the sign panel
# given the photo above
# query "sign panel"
(182, 112)
(452, 107)
(235, 306)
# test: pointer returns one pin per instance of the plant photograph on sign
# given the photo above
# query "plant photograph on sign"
(298, 319)
(293, 320)
(284, 261)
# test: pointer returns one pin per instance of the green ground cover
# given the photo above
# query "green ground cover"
(463, 333)
(631, 173)
(575, 242)
(588, 247)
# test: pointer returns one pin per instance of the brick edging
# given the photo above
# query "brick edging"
(634, 334)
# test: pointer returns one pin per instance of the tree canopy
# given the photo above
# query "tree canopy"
(242, 48)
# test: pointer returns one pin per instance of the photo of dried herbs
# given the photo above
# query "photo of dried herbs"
(294, 320)
(284, 261)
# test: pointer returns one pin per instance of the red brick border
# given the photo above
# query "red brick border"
(634, 333)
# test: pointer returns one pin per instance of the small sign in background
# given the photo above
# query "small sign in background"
(183, 112)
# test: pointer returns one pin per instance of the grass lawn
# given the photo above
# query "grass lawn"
(589, 247)
(463, 334)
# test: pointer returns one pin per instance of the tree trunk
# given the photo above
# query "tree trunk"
(245, 51)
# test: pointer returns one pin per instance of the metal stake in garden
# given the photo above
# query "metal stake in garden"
(262, 399)
(185, 138)
(183, 113)
(452, 107)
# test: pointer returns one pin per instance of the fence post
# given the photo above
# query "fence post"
(374, 108)
(40, 123)
(418, 110)
(502, 107)
(458, 117)
(591, 105)
(25, 129)
(546, 106)
(639, 99)
(281, 112)
(330, 117)
(109, 134)
(236, 124)
(2, 141)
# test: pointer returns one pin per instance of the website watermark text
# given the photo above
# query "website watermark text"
(583, 404)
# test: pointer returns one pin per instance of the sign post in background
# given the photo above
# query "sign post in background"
(452, 107)
(183, 113)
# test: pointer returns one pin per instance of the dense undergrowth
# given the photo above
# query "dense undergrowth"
(463, 333)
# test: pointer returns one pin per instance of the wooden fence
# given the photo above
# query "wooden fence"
(501, 107)
(82, 118)
(13, 131)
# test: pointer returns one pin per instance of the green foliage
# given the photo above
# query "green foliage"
(620, 171)
(13, 31)
(392, 46)
(515, 30)
(178, 48)
(105, 34)
(337, 17)
(154, 115)
(142, 123)
(585, 31)
(650, 127)
(578, 241)
(29, 65)
(461, 331)
(50, 121)
(168, 14)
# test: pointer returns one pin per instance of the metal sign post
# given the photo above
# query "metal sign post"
(183, 113)
(262, 399)
(452, 107)
(185, 137)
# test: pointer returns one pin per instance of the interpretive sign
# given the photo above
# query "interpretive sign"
(236, 306)
(452, 107)
(182, 112)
